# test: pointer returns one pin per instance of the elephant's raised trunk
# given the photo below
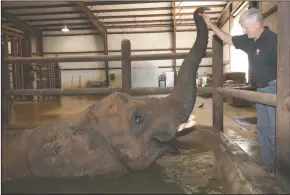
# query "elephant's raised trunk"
(183, 95)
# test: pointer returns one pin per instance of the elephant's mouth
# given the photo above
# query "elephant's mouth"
(171, 146)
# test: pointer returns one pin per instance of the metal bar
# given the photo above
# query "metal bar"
(5, 80)
(27, 60)
(98, 91)
(126, 65)
(180, 55)
(282, 175)
(93, 18)
(263, 98)
(217, 100)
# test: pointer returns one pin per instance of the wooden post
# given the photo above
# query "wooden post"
(39, 44)
(106, 61)
(283, 92)
(217, 69)
(27, 52)
(126, 65)
(174, 41)
(5, 81)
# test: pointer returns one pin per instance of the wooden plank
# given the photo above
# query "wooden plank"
(162, 56)
(94, 19)
(217, 80)
(283, 91)
(95, 91)
(126, 65)
(18, 22)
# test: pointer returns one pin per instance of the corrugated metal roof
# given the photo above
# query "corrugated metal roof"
(50, 17)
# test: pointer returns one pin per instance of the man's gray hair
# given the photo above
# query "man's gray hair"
(251, 16)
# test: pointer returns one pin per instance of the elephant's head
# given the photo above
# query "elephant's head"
(138, 130)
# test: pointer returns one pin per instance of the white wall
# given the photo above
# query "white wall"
(226, 47)
(138, 41)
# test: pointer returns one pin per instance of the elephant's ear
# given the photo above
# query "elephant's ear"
(89, 118)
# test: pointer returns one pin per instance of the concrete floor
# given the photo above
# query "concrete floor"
(241, 132)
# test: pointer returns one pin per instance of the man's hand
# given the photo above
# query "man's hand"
(206, 19)
(225, 37)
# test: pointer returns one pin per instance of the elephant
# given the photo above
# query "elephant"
(119, 133)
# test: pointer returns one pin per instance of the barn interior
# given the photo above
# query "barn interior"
(59, 57)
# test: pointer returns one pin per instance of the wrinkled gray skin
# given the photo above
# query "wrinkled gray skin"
(120, 132)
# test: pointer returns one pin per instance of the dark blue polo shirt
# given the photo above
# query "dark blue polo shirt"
(262, 55)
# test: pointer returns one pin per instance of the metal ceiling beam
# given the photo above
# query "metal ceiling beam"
(94, 19)
(20, 23)
(115, 10)
(73, 4)
(111, 17)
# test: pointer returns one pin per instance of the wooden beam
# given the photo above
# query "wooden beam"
(39, 45)
(115, 50)
(106, 62)
(174, 41)
(21, 24)
(225, 14)
(283, 92)
(217, 80)
(126, 65)
(270, 11)
(94, 19)
(5, 80)
(117, 33)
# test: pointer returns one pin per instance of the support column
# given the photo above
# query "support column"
(174, 42)
(5, 81)
(39, 45)
(126, 65)
(283, 92)
(27, 52)
(217, 69)
(106, 62)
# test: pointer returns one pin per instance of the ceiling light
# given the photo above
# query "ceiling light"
(65, 29)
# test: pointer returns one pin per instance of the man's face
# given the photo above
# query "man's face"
(250, 29)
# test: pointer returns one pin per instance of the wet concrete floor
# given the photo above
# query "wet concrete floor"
(171, 173)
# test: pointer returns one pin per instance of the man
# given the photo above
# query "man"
(260, 43)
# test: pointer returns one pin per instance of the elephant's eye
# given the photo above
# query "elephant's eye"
(138, 119)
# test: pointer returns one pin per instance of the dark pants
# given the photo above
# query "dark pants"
(266, 128)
